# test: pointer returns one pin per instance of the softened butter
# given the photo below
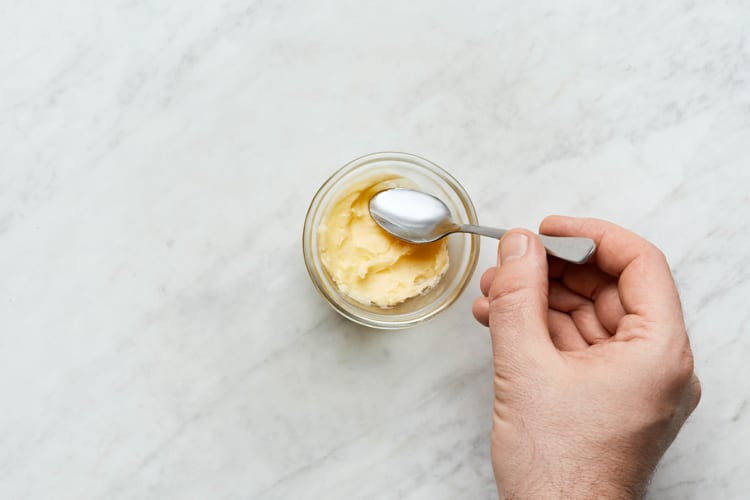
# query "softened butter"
(368, 264)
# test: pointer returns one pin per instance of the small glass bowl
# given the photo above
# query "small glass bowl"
(463, 249)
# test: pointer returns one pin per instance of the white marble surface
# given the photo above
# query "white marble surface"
(159, 336)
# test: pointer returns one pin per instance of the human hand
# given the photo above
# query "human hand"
(593, 368)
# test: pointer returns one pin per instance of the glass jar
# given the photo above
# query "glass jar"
(463, 249)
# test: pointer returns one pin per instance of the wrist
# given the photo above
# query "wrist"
(571, 478)
(573, 490)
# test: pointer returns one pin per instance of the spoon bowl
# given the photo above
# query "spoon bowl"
(412, 216)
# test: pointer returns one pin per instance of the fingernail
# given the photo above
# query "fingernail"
(513, 246)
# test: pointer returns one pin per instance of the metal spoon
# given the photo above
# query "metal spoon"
(419, 217)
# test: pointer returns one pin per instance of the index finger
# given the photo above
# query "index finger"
(645, 281)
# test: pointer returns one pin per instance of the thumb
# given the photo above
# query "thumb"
(518, 297)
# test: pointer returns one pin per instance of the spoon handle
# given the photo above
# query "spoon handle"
(570, 248)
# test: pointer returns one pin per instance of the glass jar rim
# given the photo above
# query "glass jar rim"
(362, 316)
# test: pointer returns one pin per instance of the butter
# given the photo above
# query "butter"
(368, 264)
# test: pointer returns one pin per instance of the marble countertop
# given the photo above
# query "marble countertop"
(159, 335)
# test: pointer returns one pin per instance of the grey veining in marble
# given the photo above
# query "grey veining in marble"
(159, 340)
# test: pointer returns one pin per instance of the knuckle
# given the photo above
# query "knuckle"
(509, 300)
(685, 365)
(682, 367)
(695, 392)
(507, 289)
(657, 254)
